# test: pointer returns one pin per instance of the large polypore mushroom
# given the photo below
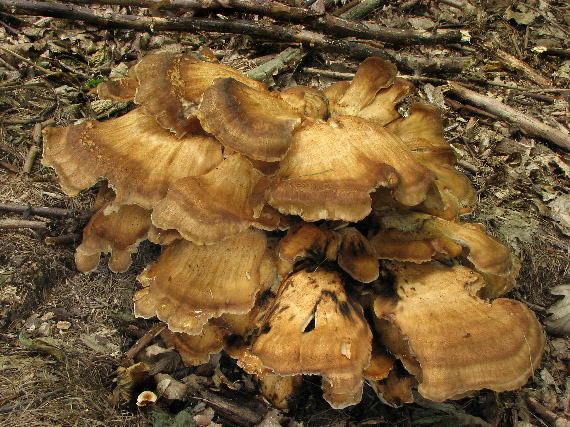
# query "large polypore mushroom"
(373, 280)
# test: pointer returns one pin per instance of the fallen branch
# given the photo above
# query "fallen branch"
(516, 64)
(529, 124)
(21, 223)
(44, 211)
(264, 72)
(65, 239)
(329, 24)
(308, 39)
(142, 343)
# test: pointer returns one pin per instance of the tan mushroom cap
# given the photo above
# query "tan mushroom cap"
(382, 109)
(422, 132)
(196, 349)
(463, 343)
(118, 233)
(210, 208)
(191, 284)
(255, 123)
(332, 167)
(373, 74)
(356, 256)
(335, 91)
(314, 327)
(420, 233)
(308, 101)
(139, 158)
(171, 86)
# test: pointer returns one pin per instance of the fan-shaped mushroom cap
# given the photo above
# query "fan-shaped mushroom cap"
(463, 343)
(118, 233)
(139, 158)
(422, 132)
(254, 123)
(308, 101)
(210, 208)
(382, 109)
(421, 234)
(335, 91)
(373, 74)
(338, 347)
(196, 349)
(356, 256)
(162, 237)
(332, 167)
(171, 86)
(192, 283)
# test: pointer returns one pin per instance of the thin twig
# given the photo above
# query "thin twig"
(4, 409)
(143, 342)
(30, 157)
(21, 223)
(26, 60)
(65, 239)
(9, 167)
(45, 211)
(529, 124)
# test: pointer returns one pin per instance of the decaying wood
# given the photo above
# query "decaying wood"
(529, 124)
(239, 414)
(265, 71)
(11, 224)
(45, 211)
(65, 239)
(361, 9)
(327, 24)
(516, 64)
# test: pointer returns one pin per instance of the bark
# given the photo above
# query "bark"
(327, 23)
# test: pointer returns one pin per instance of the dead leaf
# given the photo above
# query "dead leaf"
(524, 17)
(560, 212)
(558, 322)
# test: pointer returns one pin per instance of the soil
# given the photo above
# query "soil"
(63, 333)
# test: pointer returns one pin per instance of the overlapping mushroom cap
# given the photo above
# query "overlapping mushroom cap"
(215, 167)
(461, 342)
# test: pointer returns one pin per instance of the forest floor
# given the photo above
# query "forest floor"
(63, 333)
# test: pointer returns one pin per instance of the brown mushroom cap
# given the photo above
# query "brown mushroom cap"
(418, 234)
(138, 157)
(171, 86)
(196, 349)
(467, 344)
(251, 122)
(210, 208)
(382, 109)
(308, 101)
(190, 283)
(332, 167)
(118, 233)
(373, 74)
(314, 327)
(422, 132)
(396, 388)
(356, 256)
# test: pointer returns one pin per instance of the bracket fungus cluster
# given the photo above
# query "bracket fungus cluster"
(304, 232)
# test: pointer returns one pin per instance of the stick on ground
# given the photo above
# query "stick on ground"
(529, 124)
